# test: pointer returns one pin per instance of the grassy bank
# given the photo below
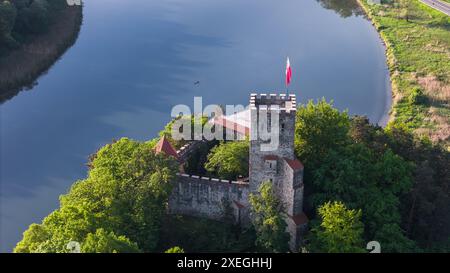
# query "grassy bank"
(418, 51)
(20, 68)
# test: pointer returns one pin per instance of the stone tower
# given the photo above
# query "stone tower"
(277, 162)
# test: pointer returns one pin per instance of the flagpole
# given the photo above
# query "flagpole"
(287, 87)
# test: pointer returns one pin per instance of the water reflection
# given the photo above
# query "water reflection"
(345, 8)
(134, 61)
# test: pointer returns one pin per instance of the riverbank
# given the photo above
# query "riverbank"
(20, 68)
(417, 40)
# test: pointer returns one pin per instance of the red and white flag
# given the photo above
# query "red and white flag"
(288, 72)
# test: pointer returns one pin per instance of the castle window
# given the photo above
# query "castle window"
(271, 165)
(282, 127)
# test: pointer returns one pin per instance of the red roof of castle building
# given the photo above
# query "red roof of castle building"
(239, 205)
(295, 164)
(300, 219)
(228, 124)
(164, 146)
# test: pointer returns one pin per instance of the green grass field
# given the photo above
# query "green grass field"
(418, 42)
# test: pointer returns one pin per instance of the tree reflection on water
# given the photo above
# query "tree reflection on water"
(345, 8)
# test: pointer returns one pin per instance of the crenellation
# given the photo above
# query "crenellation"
(206, 196)
(283, 176)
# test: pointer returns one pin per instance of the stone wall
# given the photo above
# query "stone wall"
(212, 198)
(209, 198)
(280, 166)
(185, 151)
(285, 149)
(297, 232)
(291, 189)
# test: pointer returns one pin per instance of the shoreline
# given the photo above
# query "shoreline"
(387, 115)
(21, 68)
(419, 77)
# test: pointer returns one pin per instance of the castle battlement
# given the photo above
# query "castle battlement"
(214, 180)
(279, 166)
(208, 196)
(280, 102)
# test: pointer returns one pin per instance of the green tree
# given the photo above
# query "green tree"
(175, 249)
(362, 179)
(195, 234)
(195, 162)
(38, 16)
(362, 132)
(8, 15)
(319, 127)
(417, 96)
(229, 160)
(392, 239)
(268, 220)
(405, 9)
(32, 240)
(194, 121)
(69, 223)
(130, 183)
(425, 208)
(343, 8)
(126, 193)
(359, 169)
(107, 242)
(340, 230)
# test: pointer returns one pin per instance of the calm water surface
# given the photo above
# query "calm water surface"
(136, 59)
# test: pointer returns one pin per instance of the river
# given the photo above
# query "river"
(134, 60)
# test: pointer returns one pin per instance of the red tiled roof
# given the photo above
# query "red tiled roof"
(295, 164)
(164, 146)
(239, 205)
(300, 219)
(232, 125)
(270, 157)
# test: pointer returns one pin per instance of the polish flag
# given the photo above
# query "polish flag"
(288, 72)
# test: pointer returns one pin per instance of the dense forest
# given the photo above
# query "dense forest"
(362, 182)
(33, 35)
(20, 20)
(398, 181)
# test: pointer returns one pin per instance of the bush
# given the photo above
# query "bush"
(417, 96)
(8, 15)
(175, 249)
(117, 208)
(229, 160)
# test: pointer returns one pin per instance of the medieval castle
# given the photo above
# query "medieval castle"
(205, 196)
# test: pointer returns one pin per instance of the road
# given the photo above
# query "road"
(436, 4)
